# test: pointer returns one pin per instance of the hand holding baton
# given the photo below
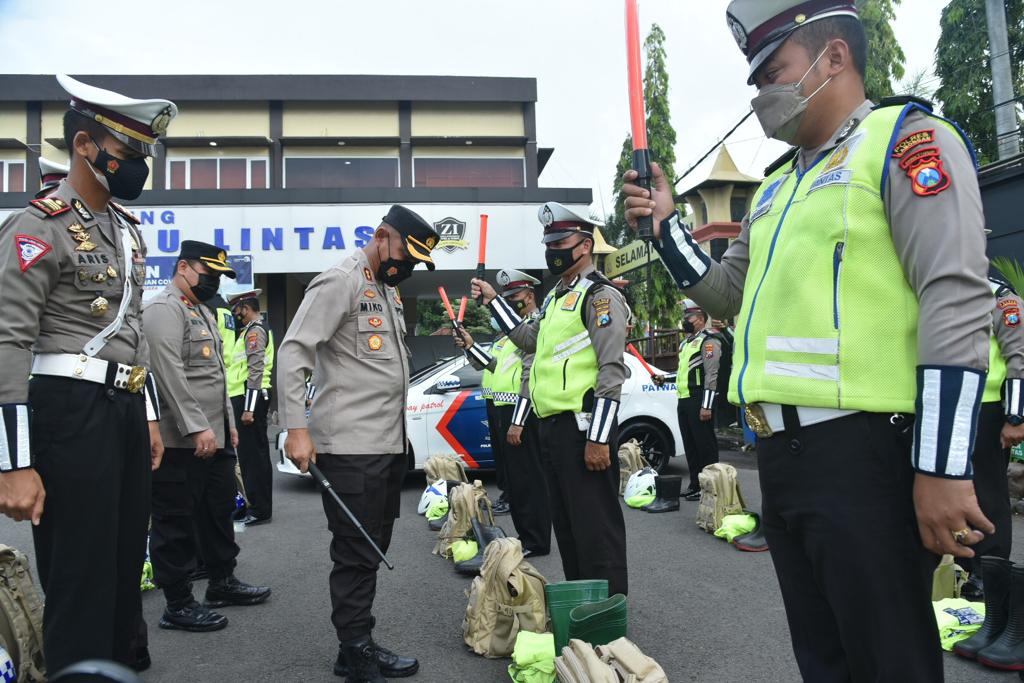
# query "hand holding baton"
(482, 255)
(456, 323)
(638, 113)
(326, 486)
(648, 368)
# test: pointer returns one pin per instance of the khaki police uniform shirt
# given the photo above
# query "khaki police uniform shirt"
(1009, 331)
(255, 353)
(187, 355)
(351, 329)
(49, 279)
(940, 242)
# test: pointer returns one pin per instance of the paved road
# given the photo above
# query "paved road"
(705, 611)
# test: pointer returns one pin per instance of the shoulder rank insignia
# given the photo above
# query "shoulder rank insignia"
(367, 274)
(51, 206)
(30, 250)
(184, 300)
(124, 213)
(924, 168)
(921, 137)
(79, 206)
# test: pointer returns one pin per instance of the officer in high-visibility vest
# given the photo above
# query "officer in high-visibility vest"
(509, 369)
(696, 386)
(859, 282)
(250, 370)
(575, 384)
(501, 505)
(221, 310)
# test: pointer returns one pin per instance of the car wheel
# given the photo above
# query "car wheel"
(655, 444)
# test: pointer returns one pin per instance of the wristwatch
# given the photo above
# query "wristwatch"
(1014, 420)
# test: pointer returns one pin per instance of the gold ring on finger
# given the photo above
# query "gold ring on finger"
(961, 535)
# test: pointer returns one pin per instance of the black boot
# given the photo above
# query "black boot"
(357, 661)
(667, 488)
(754, 541)
(1007, 652)
(484, 534)
(437, 524)
(231, 591)
(191, 616)
(390, 664)
(973, 589)
(996, 572)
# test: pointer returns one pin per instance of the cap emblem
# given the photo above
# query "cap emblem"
(800, 18)
(161, 121)
(738, 32)
(547, 216)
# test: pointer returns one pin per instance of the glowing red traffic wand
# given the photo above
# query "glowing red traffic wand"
(638, 112)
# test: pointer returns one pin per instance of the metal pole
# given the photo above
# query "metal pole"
(1002, 80)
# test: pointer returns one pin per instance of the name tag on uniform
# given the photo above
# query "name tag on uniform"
(831, 178)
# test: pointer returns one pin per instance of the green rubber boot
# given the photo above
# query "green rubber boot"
(599, 623)
(562, 597)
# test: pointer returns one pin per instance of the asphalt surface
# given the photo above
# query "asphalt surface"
(703, 610)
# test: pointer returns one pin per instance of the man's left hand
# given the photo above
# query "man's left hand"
(234, 437)
(705, 415)
(944, 507)
(1011, 436)
(247, 418)
(597, 457)
(156, 446)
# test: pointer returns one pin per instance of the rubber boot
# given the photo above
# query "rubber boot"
(996, 575)
(754, 541)
(361, 656)
(484, 534)
(562, 598)
(1007, 652)
(667, 488)
(599, 623)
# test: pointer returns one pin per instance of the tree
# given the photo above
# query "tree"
(885, 56)
(962, 63)
(917, 84)
(431, 316)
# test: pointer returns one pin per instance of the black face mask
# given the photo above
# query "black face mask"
(239, 321)
(688, 327)
(125, 178)
(518, 304)
(206, 287)
(561, 260)
(392, 271)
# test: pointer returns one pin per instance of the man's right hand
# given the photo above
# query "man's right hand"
(299, 448)
(515, 435)
(659, 380)
(206, 443)
(945, 506)
(463, 339)
(640, 202)
(22, 495)
(478, 287)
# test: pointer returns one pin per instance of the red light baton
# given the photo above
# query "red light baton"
(462, 310)
(482, 255)
(648, 368)
(638, 113)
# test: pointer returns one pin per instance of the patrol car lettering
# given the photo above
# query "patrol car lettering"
(370, 307)
(831, 178)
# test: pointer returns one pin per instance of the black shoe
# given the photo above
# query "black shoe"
(690, 491)
(695, 496)
(500, 508)
(142, 659)
(357, 661)
(973, 590)
(667, 489)
(231, 591)
(996, 575)
(251, 520)
(390, 664)
(192, 617)
(240, 513)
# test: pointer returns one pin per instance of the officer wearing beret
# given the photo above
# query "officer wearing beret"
(866, 400)
(76, 453)
(50, 175)
(514, 435)
(194, 489)
(351, 328)
(575, 384)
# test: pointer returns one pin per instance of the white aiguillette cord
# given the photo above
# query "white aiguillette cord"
(97, 343)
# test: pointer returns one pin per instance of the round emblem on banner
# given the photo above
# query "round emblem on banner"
(375, 342)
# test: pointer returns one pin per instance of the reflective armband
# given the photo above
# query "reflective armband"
(152, 399)
(709, 400)
(602, 419)
(685, 260)
(521, 412)
(506, 316)
(1012, 404)
(948, 402)
(15, 451)
(479, 355)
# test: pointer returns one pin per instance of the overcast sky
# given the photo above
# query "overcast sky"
(574, 48)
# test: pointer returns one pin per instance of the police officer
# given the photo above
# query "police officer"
(351, 328)
(575, 384)
(50, 175)
(860, 246)
(249, 381)
(194, 489)
(71, 276)
(501, 505)
(699, 357)
(516, 424)
(221, 310)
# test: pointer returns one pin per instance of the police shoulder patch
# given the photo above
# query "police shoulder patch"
(51, 206)
(709, 350)
(920, 137)
(602, 310)
(927, 175)
(30, 250)
(252, 340)
(1011, 317)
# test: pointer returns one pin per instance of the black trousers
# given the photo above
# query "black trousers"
(585, 510)
(699, 439)
(498, 445)
(371, 486)
(991, 486)
(839, 517)
(527, 483)
(193, 499)
(91, 449)
(254, 457)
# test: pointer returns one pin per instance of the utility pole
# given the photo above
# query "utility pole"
(1008, 137)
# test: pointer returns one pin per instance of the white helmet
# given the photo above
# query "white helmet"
(7, 672)
(640, 483)
(439, 489)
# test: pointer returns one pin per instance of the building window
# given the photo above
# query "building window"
(330, 172)
(463, 172)
(12, 176)
(738, 209)
(216, 174)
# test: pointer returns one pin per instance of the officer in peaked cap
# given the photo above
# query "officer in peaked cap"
(50, 175)
(71, 277)
(514, 437)
(819, 282)
(575, 384)
(351, 328)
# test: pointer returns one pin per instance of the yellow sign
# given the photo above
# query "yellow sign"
(629, 258)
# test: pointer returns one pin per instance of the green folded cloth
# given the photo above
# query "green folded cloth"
(640, 501)
(957, 620)
(736, 525)
(533, 659)
(464, 550)
(437, 509)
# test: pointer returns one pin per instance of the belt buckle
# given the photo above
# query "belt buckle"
(757, 420)
(137, 379)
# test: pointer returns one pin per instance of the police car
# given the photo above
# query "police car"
(445, 413)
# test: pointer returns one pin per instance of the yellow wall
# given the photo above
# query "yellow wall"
(204, 120)
(325, 119)
(339, 151)
(53, 127)
(465, 119)
(12, 121)
(215, 152)
(470, 151)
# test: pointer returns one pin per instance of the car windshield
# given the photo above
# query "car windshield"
(423, 372)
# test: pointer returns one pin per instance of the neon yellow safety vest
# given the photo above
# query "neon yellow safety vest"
(996, 366)
(565, 365)
(226, 326)
(828, 319)
(488, 377)
(691, 363)
(506, 379)
(238, 370)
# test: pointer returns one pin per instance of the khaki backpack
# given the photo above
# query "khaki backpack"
(466, 502)
(507, 597)
(719, 496)
(447, 466)
(21, 616)
(631, 460)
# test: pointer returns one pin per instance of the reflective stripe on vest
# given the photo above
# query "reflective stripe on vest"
(506, 378)
(691, 366)
(238, 363)
(565, 365)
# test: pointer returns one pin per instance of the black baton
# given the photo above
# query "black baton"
(326, 485)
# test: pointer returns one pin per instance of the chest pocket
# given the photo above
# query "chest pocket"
(375, 340)
(200, 347)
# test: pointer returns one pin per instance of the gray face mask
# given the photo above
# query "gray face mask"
(780, 108)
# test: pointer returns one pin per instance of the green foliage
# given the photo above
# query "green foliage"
(963, 65)
(1012, 270)
(432, 317)
(885, 56)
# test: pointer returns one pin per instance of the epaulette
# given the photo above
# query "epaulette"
(904, 100)
(1002, 287)
(51, 206)
(599, 278)
(781, 161)
(124, 213)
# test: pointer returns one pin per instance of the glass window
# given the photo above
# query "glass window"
(15, 176)
(233, 174)
(326, 172)
(738, 208)
(470, 376)
(463, 172)
(3, 177)
(213, 174)
(178, 170)
(258, 174)
(203, 174)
